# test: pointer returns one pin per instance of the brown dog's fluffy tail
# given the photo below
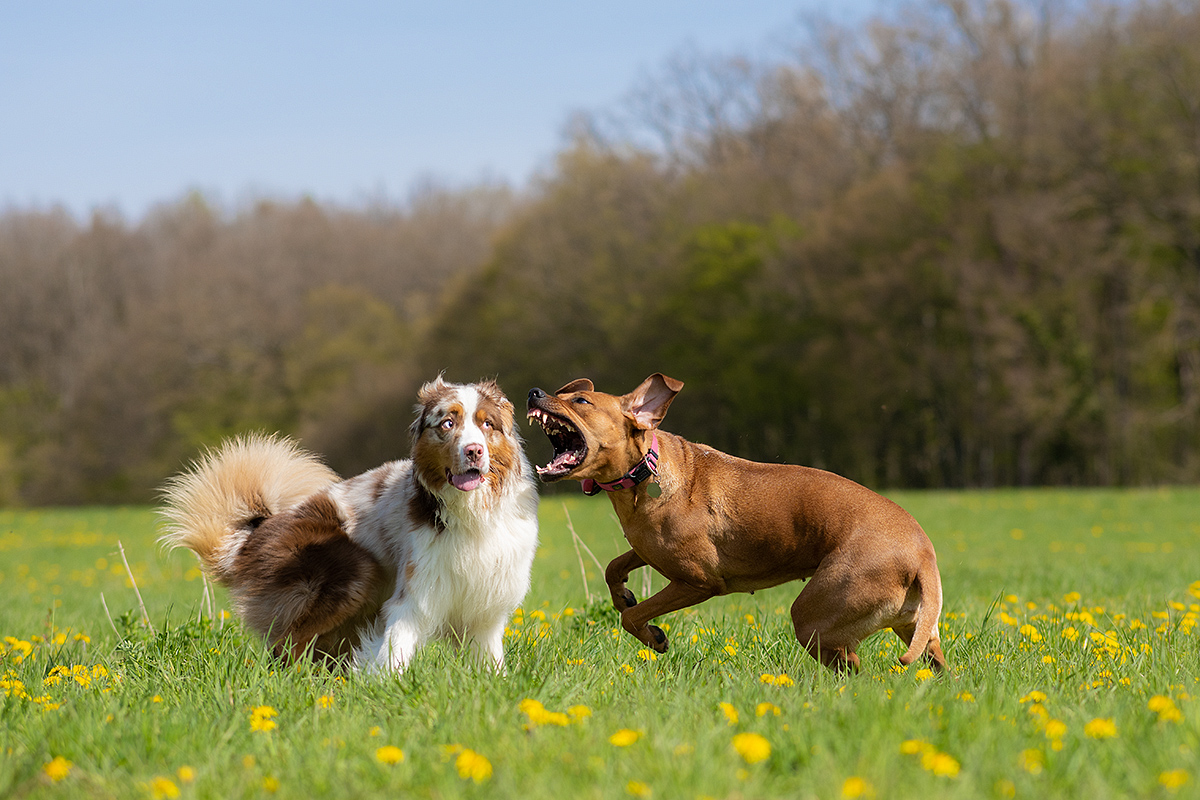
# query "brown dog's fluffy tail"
(928, 614)
(226, 493)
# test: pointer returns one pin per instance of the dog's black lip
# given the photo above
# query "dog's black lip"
(543, 416)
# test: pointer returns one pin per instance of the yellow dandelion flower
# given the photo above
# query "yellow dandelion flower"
(731, 649)
(186, 774)
(1056, 729)
(731, 714)
(57, 769)
(540, 715)
(261, 719)
(1159, 703)
(1033, 761)
(579, 713)
(767, 708)
(767, 678)
(942, 764)
(645, 654)
(624, 737)
(270, 784)
(1070, 633)
(628, 669)
(1033, 697)
(20, 649)
(752, 747)
(82, 675)
(1175, 778)
(389, 754)
(1072, 597)
(855, 786)
(1031, 633)
(472, 765)
(783, 680)
(913, 746)
(163, 788)
(1101, 728)
(638, 789)
(1165, 708)
(529, 706)
(923, 674)
(325, 701)
(553, 718)
(375, 731)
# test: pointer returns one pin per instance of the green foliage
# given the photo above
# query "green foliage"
(948, 250)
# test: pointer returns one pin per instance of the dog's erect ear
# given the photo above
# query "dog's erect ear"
(577, 385)
(647, 404)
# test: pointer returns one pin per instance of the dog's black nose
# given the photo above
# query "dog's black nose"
(536, 394)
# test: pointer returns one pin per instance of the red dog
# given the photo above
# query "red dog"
(725, 525)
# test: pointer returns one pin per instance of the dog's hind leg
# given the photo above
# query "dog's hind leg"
(674, 596)
(323, 597)
(616, 575)
(933, 650)
(303, 577)
(830, 619)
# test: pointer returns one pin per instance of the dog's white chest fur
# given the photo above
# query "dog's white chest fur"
(462, 558)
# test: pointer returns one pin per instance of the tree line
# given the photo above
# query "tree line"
(958, 246)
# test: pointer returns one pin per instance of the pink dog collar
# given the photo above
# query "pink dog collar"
(642, 470)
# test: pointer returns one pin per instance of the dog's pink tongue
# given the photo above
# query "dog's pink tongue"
(469, 480)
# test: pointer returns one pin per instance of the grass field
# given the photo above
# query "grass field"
(1069, 624)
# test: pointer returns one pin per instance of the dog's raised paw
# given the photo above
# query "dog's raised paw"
(660, 638)
(629, 600)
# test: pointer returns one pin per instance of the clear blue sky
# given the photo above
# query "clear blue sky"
(126, 104)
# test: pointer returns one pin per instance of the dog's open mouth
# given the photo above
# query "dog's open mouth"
(467, 481)
(569, 446)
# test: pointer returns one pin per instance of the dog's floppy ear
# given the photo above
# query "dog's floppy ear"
(426, 396)
(647, 404)
(577, 385)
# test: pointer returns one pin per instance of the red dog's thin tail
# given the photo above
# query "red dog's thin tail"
(928, 613)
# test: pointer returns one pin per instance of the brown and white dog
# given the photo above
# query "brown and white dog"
(715, 524)
(439, 545)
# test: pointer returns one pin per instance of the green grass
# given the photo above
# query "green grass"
(1107, 580)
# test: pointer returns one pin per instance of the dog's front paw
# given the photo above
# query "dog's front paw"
(626, 600)
(659, 639)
